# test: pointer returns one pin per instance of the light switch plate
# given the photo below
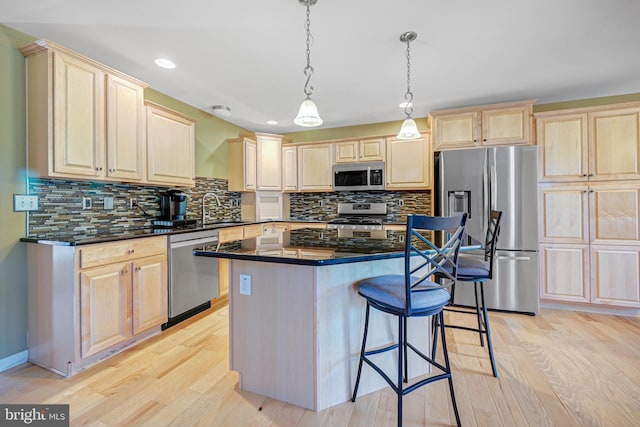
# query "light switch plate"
(108, 202)
(245, 284)
(86, 203)
(25, 202)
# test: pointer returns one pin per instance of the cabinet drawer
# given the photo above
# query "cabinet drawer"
(106, 253)
(230, 234)
(253, 230)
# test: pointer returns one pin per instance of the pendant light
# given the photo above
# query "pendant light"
(308, 114)
(409, 130)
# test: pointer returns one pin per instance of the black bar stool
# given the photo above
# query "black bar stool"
(414, 293)
(477, 270)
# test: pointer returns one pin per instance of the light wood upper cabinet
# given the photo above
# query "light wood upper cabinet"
(409, 163)
(563, 153)
(486, 125)
(589, 144)
(315, 167)
(255, 162)
(242, 161)
(269, 162)
(364, 150)
(289, 168)
(614, 144)
(170, 147)
(125, 129)
(84, 119)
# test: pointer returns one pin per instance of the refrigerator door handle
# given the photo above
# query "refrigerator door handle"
(486, 192)
(515, 258)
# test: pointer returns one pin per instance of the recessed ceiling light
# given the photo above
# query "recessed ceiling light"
(165, 63)
(404, 104)
(221, 110)
(272, 122)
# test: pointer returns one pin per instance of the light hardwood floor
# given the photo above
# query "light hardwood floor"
(559, 368)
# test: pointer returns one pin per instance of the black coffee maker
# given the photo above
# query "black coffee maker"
(173, 205)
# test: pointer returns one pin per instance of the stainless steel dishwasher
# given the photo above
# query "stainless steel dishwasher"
(193, 281)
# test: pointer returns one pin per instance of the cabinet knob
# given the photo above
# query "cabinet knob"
(590, 174)
(584, 174)
(485, 140)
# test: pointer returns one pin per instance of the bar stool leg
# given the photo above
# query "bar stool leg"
(362, 350)
(488, 332)
(448, 367)
(402, 358)
(478, 313)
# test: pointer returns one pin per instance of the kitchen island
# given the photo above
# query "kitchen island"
(296, 320)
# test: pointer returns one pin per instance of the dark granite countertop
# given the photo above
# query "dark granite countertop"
(134, 233)
(315, 247)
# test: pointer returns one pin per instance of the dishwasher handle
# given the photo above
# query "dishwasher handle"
(202, 241)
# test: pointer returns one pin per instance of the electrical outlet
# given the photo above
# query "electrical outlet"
(108, 202)
(245, 284)
(25, 202)
(132, 202)
(400, 202)
(86, 203)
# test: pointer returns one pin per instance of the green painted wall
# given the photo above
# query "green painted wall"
(591, 102)
(13, 294)
(359, 131)
(211, 133)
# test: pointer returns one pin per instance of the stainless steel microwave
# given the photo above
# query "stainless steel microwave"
(358, 176)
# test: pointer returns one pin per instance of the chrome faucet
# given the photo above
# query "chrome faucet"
(204, 198)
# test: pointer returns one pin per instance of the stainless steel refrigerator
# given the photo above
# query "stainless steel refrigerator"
(497, 178)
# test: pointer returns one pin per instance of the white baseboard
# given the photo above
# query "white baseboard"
(13, 360)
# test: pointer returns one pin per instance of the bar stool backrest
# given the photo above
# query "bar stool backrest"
(491, 239)
(424, 260)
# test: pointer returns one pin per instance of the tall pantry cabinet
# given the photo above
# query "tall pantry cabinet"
(589, 198)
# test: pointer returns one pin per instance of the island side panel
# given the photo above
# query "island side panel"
(272, 331)
(340, 325)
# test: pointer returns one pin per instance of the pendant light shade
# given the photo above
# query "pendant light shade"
(409, 130)
(308, 114)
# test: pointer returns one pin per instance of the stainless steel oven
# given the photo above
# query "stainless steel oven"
(193, 281)
(358, 176)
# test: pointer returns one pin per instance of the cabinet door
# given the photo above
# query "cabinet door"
(105, 307)
(269, 163)
(614, 212)
(289, 168)
(563, 214)
(409, 164)
(614, 143)
(506, 126)
(250, 165)
(125, 129)
(615, 275)
(564, 273)
(170, 147)
(149, 292)
(78, 103)
(372, 150)
(346, 151)
(562, 148)
(314, 167)
(457, 130)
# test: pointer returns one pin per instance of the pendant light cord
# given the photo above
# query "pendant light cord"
(408, 97)
(308, 70)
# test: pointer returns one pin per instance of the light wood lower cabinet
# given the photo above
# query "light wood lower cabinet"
(590, 243)
(90, 301)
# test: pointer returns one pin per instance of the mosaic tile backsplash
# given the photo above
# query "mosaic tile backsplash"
(324, 206)
(61, 212)
(61, 206)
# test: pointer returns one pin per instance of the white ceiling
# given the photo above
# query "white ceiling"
(250, 55)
